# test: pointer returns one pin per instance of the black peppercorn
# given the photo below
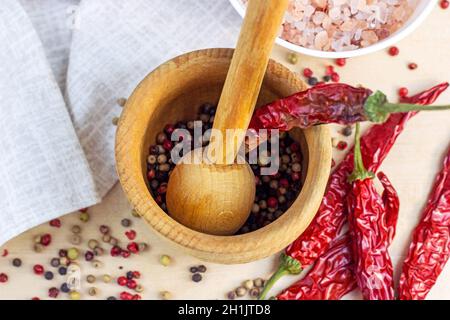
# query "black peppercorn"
(48, 275)
(17, 262)
(65, 288)
(196, 277)
(193, 269)
(55, 262)
(202, 269)
(62, 271)
(312, 81)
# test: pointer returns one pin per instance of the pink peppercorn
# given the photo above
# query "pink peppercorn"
(5, 253)
(55, 223)
(53, 292)
(169, 129)
(136, 274)
(294, 147)
(333, 163)
(122, 281)
(444, 4)
(342, 145)
(131, 234)
(272, 202)
(116, 251)
(167, 145)
(307, 72)
(133, 247)
(341, 62)
(412, 66)
(284, 183)
(136, 297)
(126, 296)
(131, 284)
(46, 239)
(125, 253)
(35, 298)
(83, 210)
(403, 92)
(3, 278)
(38, 269)
(335, 77)
(394, 51)
(151, 174)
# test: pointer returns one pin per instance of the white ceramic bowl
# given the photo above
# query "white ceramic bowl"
(423, 9)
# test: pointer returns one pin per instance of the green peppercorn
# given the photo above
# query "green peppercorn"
(165, 260)
(106, 278)
(292, 58)
(106, 238)
(135, 214)
(166, 295)
(84, 216)
(74, 295)
(73, 253)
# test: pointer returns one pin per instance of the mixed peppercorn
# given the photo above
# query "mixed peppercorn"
(274, 194)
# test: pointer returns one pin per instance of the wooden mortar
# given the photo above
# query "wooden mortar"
(173, 92)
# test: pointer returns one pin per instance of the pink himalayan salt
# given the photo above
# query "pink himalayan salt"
(342, 25)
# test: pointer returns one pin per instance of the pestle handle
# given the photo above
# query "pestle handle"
(244, 79)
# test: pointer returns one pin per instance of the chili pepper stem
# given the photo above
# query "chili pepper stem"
(288, 265)
(359, 171)
(377, 108)
(406, 107)
(281, 272)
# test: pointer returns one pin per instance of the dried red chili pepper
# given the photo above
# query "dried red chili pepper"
(330, 103)
(328, 222)
(331, 278)
(430, 247)
(369, 231)
(333, 275)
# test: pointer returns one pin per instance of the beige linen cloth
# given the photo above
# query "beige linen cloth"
(64, 64)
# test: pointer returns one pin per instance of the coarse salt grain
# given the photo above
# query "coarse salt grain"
(343, 25)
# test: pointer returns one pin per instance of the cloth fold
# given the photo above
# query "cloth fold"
(57, 142)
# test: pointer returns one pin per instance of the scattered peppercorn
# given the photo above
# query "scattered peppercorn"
(115, 121)
(93, 291)
(259, 283)
(3, 278)
(62, 271)
(254, 292)
(412, 66)
(38, 269)
(326, 78)
(197, 277)
(335, 77)
(62, 253)
(55, 262)
(125, 223)
(166, 295)
(347, 131)
(56, 223)
(342, 145)
(38, 247)
(48, 275)
(131, 234)
(135, 214)
(165, 260)
(46, 239)
(53, 292)
(292, 58)
(75, 239)
(122, 102)
(444, 4)
(74, 295)
(394, 51)
(307, 73)
(341, 62)
(88, 255)
(403, 92)
(241, 291)
(84, 216)
(193, 269)
(139, 288)
(17, 262)
(231, 295)
(106, 278)
(65, 288)
(73, 253)
(104, 229)
(97, 264)
(202, 268)
(91, 278)
(111, 298)
(76, 229)
(312, 81)
(92, 244)
(248, 284)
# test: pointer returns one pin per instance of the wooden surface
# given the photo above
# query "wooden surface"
(411, 166)
(152, 105)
